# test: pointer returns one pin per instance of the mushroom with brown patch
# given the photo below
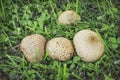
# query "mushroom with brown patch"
(88, 45)
(68, 17)
(32, 47)
(60, 49)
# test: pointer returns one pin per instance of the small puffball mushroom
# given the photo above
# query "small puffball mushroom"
(88, 45)
(60, 49)
(32, 47)
(68, 17)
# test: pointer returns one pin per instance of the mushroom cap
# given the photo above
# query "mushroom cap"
(68, 17)
(60, 49)
(32, 47)
(88, 45)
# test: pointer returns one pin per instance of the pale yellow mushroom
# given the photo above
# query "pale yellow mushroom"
(68, 17)
(32, 47)
(88, 45)
(60, 49)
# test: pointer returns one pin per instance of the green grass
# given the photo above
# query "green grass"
(19, 18)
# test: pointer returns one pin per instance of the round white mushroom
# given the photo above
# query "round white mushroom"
(32, 47)
(60, 49)
(68, 17)
(88, 45)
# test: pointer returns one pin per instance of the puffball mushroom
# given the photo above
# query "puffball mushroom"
(68, 17)
(60, 49)
(88, 45)
(32, 47)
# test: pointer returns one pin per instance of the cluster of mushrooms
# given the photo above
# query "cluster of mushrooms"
(87, 43)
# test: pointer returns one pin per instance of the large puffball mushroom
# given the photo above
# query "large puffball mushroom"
(32, 47)
(60, 48)
(88, 45)
(68, 17)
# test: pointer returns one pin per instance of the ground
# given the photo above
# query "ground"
(19, 18)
